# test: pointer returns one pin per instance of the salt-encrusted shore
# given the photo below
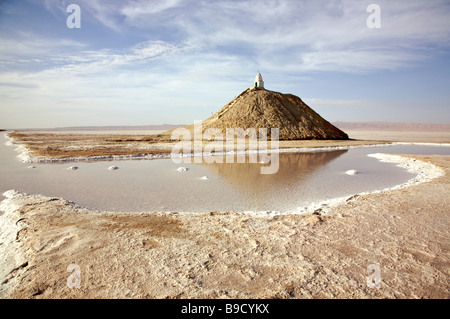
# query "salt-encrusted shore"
(11, 250)
(26, 156)
(425, 172)
(403, 231)
(24, 153)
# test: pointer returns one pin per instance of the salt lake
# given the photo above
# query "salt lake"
(157, 185)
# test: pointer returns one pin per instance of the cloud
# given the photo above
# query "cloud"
(19, 85)
(305, 35)
(186, 58)
(137, 9)
(313, 35)
(25, 44)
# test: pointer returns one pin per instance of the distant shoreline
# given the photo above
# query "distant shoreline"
(343, 125)
(392, 126)
(102, 128)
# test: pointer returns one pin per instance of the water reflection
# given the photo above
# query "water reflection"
(157, 185)
(294, 169)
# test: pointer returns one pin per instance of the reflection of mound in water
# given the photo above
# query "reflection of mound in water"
(293, 167)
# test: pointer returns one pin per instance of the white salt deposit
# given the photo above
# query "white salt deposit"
(24, 153)
(426, 172)
(11, 249)
(26, 157)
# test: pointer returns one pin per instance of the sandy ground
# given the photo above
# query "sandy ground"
(226, 255)
(36, 146)
(403, 232)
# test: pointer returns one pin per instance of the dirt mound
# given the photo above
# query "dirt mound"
(260, 108)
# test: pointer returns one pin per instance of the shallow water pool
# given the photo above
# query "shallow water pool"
(156, 185)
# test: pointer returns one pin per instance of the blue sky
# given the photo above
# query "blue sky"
(175, 61)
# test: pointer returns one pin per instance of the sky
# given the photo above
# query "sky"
(136, 62)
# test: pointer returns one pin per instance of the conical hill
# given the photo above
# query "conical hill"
(260, 108)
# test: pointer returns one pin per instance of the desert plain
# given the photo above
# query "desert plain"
(324, 254)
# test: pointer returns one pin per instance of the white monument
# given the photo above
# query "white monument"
(259, 83)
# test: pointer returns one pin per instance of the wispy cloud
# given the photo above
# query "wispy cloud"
(135, 10)
(307, 35)
(19, 85)
(106, 60)
(314, 35)
(195, 55)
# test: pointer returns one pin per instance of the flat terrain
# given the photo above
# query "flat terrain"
(227, 255)
(61, 144)
(405, 232)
